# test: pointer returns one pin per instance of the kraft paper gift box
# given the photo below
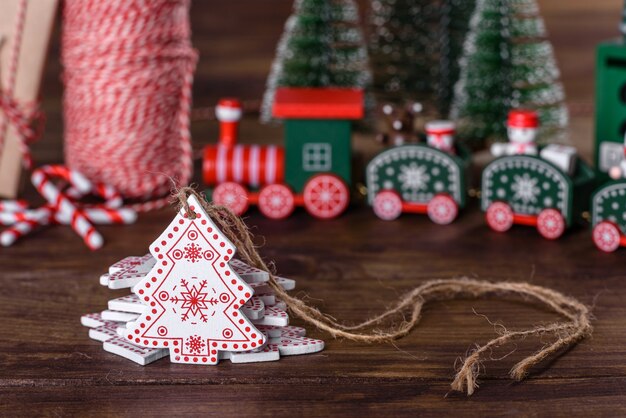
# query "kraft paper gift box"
(22, 84)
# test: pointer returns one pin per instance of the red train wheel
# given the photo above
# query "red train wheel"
(232, 195)
(499, 216)
(550, 224)
(442, 209)
(276, 201)
(606, 236)
(326, 196)
(387, 205)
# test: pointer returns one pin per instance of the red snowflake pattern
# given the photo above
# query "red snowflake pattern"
(193, 252)
(195, 344)
(194, 300)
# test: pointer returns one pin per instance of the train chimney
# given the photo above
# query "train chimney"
(228, 112)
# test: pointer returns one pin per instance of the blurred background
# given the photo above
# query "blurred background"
(237, 40)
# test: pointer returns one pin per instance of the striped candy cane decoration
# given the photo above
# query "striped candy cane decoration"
(24, 227)
(78, 221)
(11, 206)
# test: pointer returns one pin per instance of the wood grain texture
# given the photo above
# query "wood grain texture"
(351, 268)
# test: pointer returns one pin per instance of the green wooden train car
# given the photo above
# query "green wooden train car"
(608, 216)
(418, 178)
(528, 190)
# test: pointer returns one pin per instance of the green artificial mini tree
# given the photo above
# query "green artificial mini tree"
(507, 63)
(322, 46)
(415, 46)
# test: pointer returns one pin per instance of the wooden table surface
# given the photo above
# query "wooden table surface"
(351, 268)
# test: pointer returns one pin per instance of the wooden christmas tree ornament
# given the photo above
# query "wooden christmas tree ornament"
(194, 297)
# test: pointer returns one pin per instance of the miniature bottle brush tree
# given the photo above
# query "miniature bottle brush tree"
(322, 46)
(415, 46)
(507, 63)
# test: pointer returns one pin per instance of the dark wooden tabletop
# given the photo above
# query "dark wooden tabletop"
(351, 268)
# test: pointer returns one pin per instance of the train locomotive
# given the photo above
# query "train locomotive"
(313, 169)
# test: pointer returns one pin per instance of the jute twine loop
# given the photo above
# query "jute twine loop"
(575, 326)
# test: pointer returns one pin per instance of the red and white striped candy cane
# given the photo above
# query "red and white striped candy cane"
(78, 221)
(10, 206)
(102, 216)
(11, 218)
(12, 234)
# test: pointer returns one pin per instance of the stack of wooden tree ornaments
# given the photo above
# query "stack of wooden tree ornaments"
(190, 299)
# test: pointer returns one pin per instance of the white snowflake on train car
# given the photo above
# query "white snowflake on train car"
(413, 177)
(525, 188)
(194, 297)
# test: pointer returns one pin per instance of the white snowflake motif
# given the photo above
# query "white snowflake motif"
(195, 344)
(194, 301)
(525, 188)
(193, 252)
(413, 177)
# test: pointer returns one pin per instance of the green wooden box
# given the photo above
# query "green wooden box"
(610, 105)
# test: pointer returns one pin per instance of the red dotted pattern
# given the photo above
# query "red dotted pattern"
(242, 294)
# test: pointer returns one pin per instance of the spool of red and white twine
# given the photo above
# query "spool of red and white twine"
(128, 72)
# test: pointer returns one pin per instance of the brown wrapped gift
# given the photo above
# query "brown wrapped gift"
(37, 22)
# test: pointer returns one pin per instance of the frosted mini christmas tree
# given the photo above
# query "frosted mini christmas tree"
(322, 46)
(507, 63)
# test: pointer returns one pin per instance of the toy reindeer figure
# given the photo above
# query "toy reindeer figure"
(400, 124)
(440, 135)
(522, 127)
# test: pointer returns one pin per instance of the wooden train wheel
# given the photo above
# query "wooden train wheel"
(326, 196)
(550, 224)
(387, 205)
(606, 236)
(499, 216)
(442, 209)
(232, 195)
(276, 201)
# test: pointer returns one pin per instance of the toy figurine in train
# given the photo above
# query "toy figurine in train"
(420, 178)
(549, 191)
(522, 132)
(399, 122)
(608, 209)
(312, 170)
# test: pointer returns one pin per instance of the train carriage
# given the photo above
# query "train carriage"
(528, 190)
(608, 216)
(312, 169)
(418, 178)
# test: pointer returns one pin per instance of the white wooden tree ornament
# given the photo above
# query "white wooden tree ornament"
(193, 295)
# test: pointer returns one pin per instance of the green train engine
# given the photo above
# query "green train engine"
(313, 169)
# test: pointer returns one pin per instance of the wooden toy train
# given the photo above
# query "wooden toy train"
(312, 170)
(549, 188)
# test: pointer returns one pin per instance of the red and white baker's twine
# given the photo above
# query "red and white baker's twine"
(18, 115)
(63, 207)
(128, 75)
